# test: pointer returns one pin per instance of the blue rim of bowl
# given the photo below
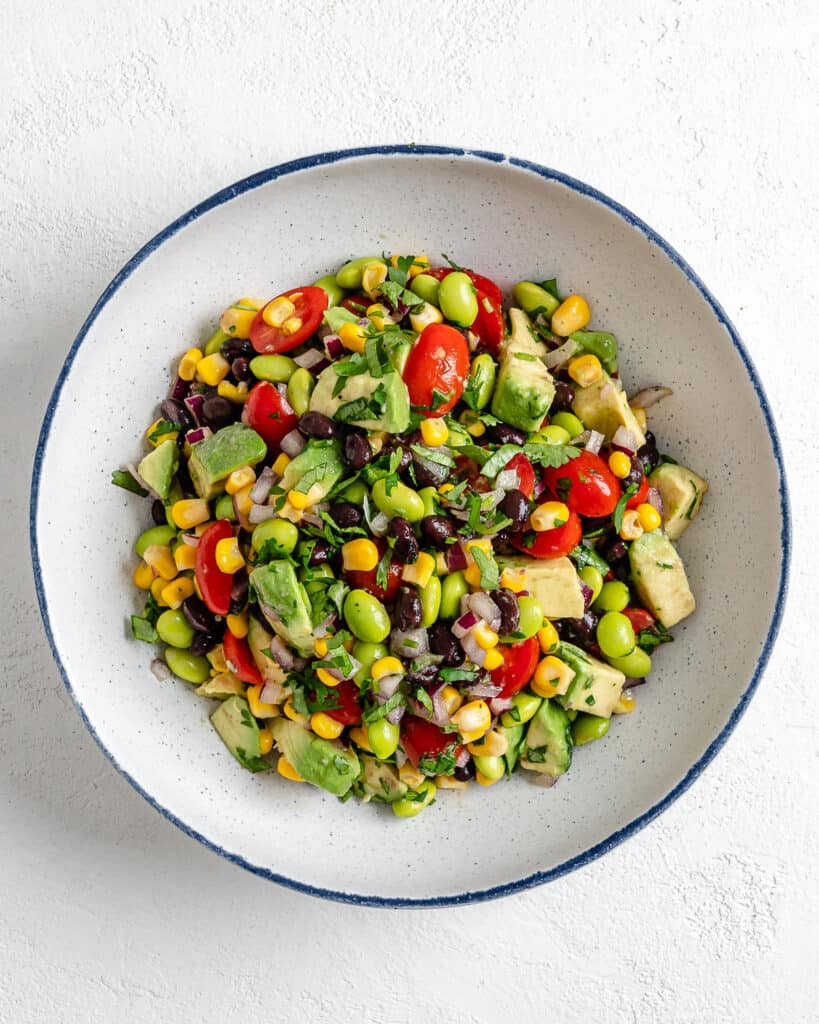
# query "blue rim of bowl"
(336, 156)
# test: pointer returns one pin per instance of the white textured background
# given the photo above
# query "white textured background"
(702, 118)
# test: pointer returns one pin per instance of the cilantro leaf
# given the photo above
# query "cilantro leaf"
(143, 629)
(501, 457)
(551, 456)
(584, 555)
(122, 478)
(653, 636)
(620, 508)
(490, 576)
(162, 428)
(550, 286)
(336, 316)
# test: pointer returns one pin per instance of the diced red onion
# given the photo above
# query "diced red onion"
(650, 396)
(473, 650)
(282, 389)
(595, 442)
(483, 690)
(380, 524)
(293, 444)
(560, 356)
(312, 357)
(625, 441)
(455, 558)
(410, 643)
(463, 605)
(198, 434)
(491, 499)
(485, 608)
(508, 480)
(463, 758)
(464, 624)
(325, 627)
(400, 754)
(279, 651)
(260, 491)
(190, 539)
(387, 685)
(338, 673)
(440, 715)
(160, 670)
(241, 515)
(260, 514)
(394, 717)
(655, 499)
(180, 389)
(193, 404)
(333, 346)
(274, 693)
(542, 779)
(312, 520)
(588, 593)
(500, 704)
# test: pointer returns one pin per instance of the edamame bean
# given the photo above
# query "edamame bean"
(281, 536)
(430, 601)
(613, 596)
(426, 287)
(570, 423)
(367, 654)
(588, 728)
(366, 616)
(383, 737)
(615, 635)
(276, 368)
(593, 579)
(400, 501)
(415, 801)
(490, 767)
(299, 388)
(174, 629)
(457, 299)
(636, 664)
(224, 508)
(329, 285)
(531, 618)
(533, 299)
(154, 535)
(481, 381)
(552, 434)
(191, 667)
(351, 273)
(453, 589)
(429, 496)
(215, 341)
(524, 708)
(355, 492)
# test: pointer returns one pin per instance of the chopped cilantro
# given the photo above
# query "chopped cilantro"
(551, 456)
(488, 567)
(550, 286)
(620, 508)
(122, 478)
(143, 629)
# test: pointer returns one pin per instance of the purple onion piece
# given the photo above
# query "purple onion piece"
(588, 594)
(194, 403)
(395, 716)
(181, 389)
(294, 443)
(455, 558)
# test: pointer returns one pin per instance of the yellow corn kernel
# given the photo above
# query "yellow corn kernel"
(625, 704)
(143, 576)
(640, 416)
(188, 363)
(585, 370)
(190, 512)
(353, 336)
(287, 771)
(449, 782)
(493, 659)
(281, 464)
(236, 319)
(177, 591)
(298, 500)
(374, 274)
(418, 266)
(358, 735)
(620, 464)
(292, 714)
(631, 527)
(420, 572)
(379, 315)
(484, 543)
(494, 744)
(548, 638)
(549, 516)
(514, 579)
(423, 316)
(291, 325)
(649, 517)
(216, 656)
(160, 559)
(434, 432)
(157, 587)
(472, 575)
(265, 741)
(349, 644)
(444, 489)
(410, 776)
(441, 567)
(484, 780)
(236, 393)
(200, 529)
(359, 555)
(452, 699)
(388, 666)
(238, 624)
(552, 676)
(473, 423)
(571, 315)
(184, 556)
(228, 556)
(484, 637)
(213, 369)
(325, 726)
(320, 647)
(240, 478)
(472, 720)
(327, 677)
(258, 707)
(277, 312)
(171, 435)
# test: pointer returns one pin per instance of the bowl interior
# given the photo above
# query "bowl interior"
(510, 223)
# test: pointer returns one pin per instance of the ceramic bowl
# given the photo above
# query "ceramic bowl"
(509, 219)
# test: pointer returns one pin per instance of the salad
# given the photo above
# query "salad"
(408, 535)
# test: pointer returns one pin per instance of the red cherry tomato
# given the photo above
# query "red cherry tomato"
(586, 484)
(483, 284)
(269, 413)
(423, 739)
(551, 543)
(639, 618)
(237, 652)
(526, 471)
(349, 710)
(365, 579)
(214, 584)
(488, 323)
(310, 303)
(438, 361)
(641, 495)
(519, 664)
(358, 304)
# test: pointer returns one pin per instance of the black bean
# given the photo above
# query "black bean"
(502, 433)
(515, 506)
(509, 608)
(345, 514)
(465, 772)
(158, 513)
(395, 446)
(199, 615)
(442, 641)
(316, 424)
(241, 368)
(233, 348)
(177, 412)
(217, 412)
(564, 396)
(357, 451)
(427, 473)
(238, 592)
(613, 549)
(423, 676)
(408, 611)
(636, 474)
(204, 642)
(648, 454)
(437, 530)
(406, 545)
(320, 554)
(582, 630)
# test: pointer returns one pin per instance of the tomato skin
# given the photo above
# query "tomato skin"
(269, 413)
(526, 471)
(488, 324)
(639, 618)
(641, 496)
(421, 738)
(365, 579)
(237, 652)
(552, 543)
(357, 304)
(519, 664)
(482, 284)
(439, 361)
(310, 303)
(349, 711)
(594, 490)
(214, 584)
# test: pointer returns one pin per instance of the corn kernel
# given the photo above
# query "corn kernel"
(547, 637)
(177, 591)
(374, 274)
(281, 464)
(444, 489)
(451, 698)
(240, 478)
(631, 527)
(472, 575)
(494, 744)
(484, 780)
(237, 319)
(571, 315)
(320, 647)
(353, 337)
(640, 416)
(380, 315)
(410, 776)
(434, 432)
(388, 666)
(585, 370)
(190, 512)
(327, 677)
(278, 311)
(441, 567)
(552, 677)
(358, 735)
(229, 558)
(484, 637)
(265, 741)
(359, 555)
(143, 576)
(423, 316)
(420, 572)
(157, 587)
(473, 423)
(184, 556)
(292, 714)
(258, 707)
(649, 517)
(484, 543)
(213, 369)
(472, 720)
(298, 500)
(325, 726)
(200, 529)
(493, 659)
(238, 624)
(291, 325)
(419, 264)
(549, 516)
(171, 435)
(160, 559)
(625, 704)
(188, 363)
(287, 771)
(514, 579)
(620, 464)
(236, 393)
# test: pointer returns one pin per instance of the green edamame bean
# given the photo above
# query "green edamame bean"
(593, 579)
(215, 341)
(276, 368)
(187, 666)
(457, 299)
(299, 388)
(453, 589)
(531, 618)
(383, 737)
(490, 767)
(552, 434)
(570, 423)
(366, 616)
(224, 508)
(612, 597)
(524, 708)
(367, 654)
(154, 535)
(351, 273)
(400, 501)
(588, 728)
(615, 635)
(281, 535)
(330, 287)
(636, 664)
(533, 299)
(429, 496)
(174, 629)
(481, 381)
(421, 798)
(430, 601)
(355, 492)
(458, 437)
(426, 287)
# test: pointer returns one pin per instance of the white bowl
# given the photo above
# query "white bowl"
(509, 219)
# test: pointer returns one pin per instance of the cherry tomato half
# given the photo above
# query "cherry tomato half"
(423, 739)
(519, 664)
(349, 710)
(482, 284)
(551, 543)
(586, 484)
(641, 495)
(269, 413)
(639, 618)
(214, 584)
(364, 579)
(438, 361)
(237, 652)
(357, 304)
(526, 471)
(310, 303)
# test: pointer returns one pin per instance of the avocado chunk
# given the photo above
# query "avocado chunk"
(258, 640)
(376, 403)
(514, 739)
(284, 604)
(522, 336)
(225, 685)
(158, 468)
(603, 406)
(240, 732)
(682, 492)
(548, 744)
(524, 390)
(659, 578)
(214, 459)
(596, 686)
(553, 582)
(324, 763)
(315, 471)
(380, 781)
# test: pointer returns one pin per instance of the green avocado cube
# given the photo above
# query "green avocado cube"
(682, 492)
(659, 578)
(240, 732)
(285, 604)
(324, 763)
(547, 747)
(375, 403)
(214, 459)
(159, 467)
(596, 686)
